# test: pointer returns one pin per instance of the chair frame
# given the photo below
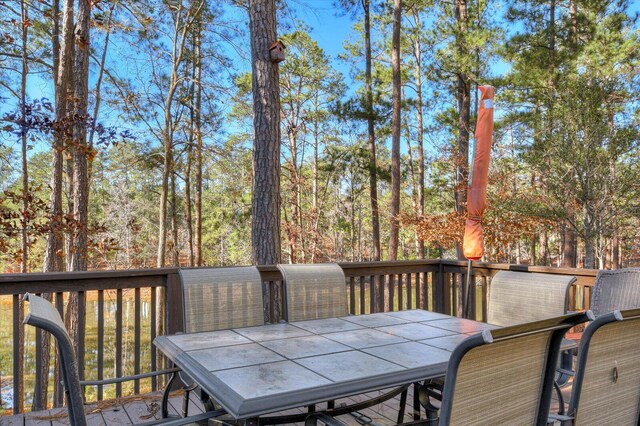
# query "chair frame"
(583, 355)
(42, 314)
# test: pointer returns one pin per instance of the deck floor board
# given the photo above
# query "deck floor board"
(144, 408)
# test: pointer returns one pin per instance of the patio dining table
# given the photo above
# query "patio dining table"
(265, 369)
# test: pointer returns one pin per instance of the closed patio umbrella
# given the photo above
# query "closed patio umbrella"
(472, 245)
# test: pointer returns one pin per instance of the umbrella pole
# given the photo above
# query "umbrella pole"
(467, 292)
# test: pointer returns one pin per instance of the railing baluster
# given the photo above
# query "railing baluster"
(400, 293)
(409, 291)
(427, 277)
(57, 376)
(119, 332)
(372, 294)
(18, 360)
(352, 296)
(362, 291)
(100, 342)
(81, 332)
(391, 291)
(152, 331)
(485, 296)
(272, 302)
(136, 342)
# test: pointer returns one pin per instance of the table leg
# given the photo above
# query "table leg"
(254, 421)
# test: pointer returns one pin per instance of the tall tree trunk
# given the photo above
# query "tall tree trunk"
(419, 125)
(190, 149)
(394, 228)
(24, 217)
(182, 23)
(81, 151)
(373, 168)
(464, 113)
(314, 198)
(175, 252)
(198, 130)
(265, 225)
(63, 52)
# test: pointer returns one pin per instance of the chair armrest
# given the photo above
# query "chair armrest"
(128, 378)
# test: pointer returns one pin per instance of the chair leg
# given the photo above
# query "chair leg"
(560, 398)
(416, 401)
(403, 405)
(165, 396)
(185, 399)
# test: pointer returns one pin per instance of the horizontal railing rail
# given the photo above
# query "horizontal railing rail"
(120, 313)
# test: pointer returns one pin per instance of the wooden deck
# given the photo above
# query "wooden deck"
(143, 408)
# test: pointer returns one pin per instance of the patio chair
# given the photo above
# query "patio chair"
(314, 291)
(521, 357)
(318, 291)
(42, 314)
(218, 299)
(616, 290)
(516, 298)
(606, 388)
(520, 297)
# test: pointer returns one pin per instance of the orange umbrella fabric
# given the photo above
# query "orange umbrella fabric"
(472, 245)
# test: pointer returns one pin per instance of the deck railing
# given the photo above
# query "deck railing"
(121, 312)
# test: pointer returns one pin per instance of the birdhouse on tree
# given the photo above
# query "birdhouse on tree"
(276, 51)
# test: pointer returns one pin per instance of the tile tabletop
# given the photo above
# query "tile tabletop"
(257, 370)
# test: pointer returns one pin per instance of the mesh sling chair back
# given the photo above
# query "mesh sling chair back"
(607, 383)
(314, 291)
(616, 290)
(219, 299)
(519, 297)
(521, 357)
(42, 314)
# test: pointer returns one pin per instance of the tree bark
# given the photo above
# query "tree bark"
(464, 113)
(265, 224)
(198, 129)
(373, 168)
(81, 151)
(569, 243)
(394, 229)
(419, 125)
(24, 217)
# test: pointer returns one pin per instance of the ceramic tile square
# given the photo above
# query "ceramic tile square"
(415, 331)
(271, 332)
(300, 347)
(447, 342)
(232, 357)
(364, 338)
(346, 366)
(210, 339)
(410, 354)
(418, 315)
(375, 320)
(461, 325)
(328, 325)
(268, 379)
